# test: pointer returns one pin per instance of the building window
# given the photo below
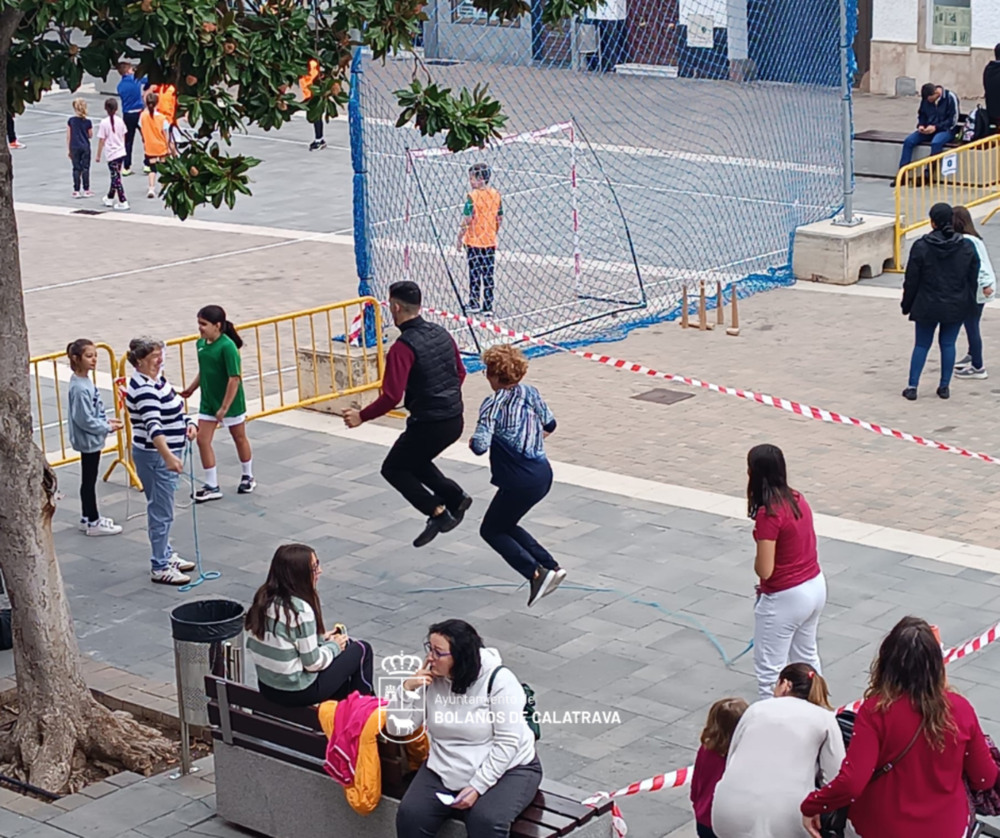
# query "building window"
(463, 11)
(950, 24)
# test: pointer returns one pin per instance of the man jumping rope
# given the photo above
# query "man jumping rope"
(426, 364)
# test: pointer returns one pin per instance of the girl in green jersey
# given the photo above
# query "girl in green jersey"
(222, 400)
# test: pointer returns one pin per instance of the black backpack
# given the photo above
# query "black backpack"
(529, 703)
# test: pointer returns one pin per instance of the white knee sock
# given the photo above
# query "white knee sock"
(248, 468)
(212, 476)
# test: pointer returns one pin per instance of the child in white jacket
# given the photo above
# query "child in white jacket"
(972, 365)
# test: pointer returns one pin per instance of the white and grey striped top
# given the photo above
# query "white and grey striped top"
(154, 408)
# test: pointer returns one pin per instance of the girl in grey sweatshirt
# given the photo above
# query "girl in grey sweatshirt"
(89, 427)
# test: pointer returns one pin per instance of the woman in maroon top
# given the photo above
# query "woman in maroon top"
(792, 590)
(908, 701)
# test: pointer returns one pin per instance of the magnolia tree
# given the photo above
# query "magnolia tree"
(233, 63)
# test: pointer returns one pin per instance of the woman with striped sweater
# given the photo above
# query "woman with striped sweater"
(299, 663)
(160, 430)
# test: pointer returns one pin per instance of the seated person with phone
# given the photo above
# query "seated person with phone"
(482, 765)
(298, 662)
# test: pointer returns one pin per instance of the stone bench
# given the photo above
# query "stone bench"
(269, 778)
(876, 153)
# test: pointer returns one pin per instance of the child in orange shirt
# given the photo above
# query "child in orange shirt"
(167, 106)
(306, 82)
(156, 139)
(481, 221)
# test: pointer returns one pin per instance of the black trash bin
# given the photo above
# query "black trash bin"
(208, 640)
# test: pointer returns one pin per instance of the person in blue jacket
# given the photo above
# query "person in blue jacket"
(936, 121)
(130, 91)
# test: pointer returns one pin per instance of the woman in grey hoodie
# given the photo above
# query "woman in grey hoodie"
(482, 764)
(89, 427)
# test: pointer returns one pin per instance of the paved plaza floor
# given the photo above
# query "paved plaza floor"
(684, 546)
(580, 650)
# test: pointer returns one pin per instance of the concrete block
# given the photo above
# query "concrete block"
(341, 368)
(906, 86)
(284, 801)
(825, 252)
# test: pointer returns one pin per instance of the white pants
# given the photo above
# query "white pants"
(785, 626)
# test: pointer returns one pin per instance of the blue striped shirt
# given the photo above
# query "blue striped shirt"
(155, 409)
(512, 425)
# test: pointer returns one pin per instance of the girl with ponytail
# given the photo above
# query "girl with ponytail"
(222, 399)
(772, 765)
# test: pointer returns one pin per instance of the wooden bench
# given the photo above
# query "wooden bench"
(269, 778)
(876, 153)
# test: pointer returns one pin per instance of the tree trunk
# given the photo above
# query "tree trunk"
(59, 720)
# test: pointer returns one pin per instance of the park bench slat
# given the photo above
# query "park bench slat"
(560, 823)
(569, 808)
(273, 731)
(526, 829)
(248, 699)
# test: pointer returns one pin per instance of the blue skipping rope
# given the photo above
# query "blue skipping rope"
(694, 621)
(203, 575)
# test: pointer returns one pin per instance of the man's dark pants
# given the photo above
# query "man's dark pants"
(410, 469)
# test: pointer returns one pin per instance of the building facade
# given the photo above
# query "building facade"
(944, 41)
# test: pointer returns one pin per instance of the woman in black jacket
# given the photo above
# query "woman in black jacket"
(942, 276)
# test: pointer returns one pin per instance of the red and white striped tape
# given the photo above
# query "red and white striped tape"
(749, 395)
(682, 776)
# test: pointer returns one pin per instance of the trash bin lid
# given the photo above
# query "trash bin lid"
(206, 620)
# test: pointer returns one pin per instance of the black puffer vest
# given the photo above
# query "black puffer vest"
(433, 390)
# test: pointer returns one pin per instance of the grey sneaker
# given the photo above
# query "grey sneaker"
(207, 493)
(541, 584)
(971, 372)
(965, 362)
(557, 579)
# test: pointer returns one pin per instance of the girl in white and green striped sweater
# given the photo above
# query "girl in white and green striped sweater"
(298, 662)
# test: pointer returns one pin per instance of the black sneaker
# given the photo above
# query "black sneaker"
(207, 493)
(317, 145)
(247, 485)
(541, 582)
(445, 522)
(943, 393)
(458, 513)
(910, 393)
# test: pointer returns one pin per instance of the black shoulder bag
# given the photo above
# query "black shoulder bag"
(834, 824)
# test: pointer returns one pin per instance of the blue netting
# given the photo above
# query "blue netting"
(659, 145)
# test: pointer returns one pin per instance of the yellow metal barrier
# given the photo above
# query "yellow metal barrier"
(53, 436)
(967, 176)
(289, 361)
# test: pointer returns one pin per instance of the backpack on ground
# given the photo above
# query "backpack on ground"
(977, 125)
(529, 703)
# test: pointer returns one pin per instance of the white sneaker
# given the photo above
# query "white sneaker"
(557, 578)
(82, 526)
(971, 372)
(170, 576)
(150, 193)
(103, 526)
(182, 565)
(108, 202)
(122, 206)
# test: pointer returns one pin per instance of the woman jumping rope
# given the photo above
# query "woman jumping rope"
(222, 399)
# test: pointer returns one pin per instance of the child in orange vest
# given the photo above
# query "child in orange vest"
(156, 139)
(481, 221)
(306, 82)
(168, 108)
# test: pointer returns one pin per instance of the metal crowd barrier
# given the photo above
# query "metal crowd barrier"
(968, 176)
(290, 361)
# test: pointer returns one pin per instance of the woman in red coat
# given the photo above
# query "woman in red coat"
(929, 734)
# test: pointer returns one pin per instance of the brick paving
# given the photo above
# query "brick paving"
(838, 351)
(581, 650)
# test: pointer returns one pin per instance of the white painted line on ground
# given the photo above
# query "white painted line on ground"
(42, 133)
(190, 224)
(177, 264)
(842, 529)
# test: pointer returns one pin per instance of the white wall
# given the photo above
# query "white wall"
(715, 8)
(985, 23)
(896, 20)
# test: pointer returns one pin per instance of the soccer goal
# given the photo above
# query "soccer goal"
(526, 230)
